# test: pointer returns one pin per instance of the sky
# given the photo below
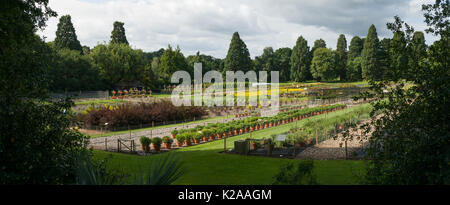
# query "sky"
(207, 25)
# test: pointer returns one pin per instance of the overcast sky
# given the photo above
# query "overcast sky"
(207, 25)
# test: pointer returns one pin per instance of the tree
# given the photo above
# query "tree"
(354, 59)
(300, 61)
(36, 144)
(208, 62)
(410, 139)
(341, 50)
(172, 61)
(370, 63)
(323, 64)
(384, 58)
(238, 57)
(282, 63)
(120, 64)
(417, 50)
(118, 33)
(66, 36)
(319, 43)
(73, 71)
(266, 61)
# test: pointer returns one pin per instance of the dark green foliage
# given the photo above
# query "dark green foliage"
(172, 61)
(411, 141)
(118, 33)
(341, 63)
(384, 58)
(354, 59)
(164, 171)
(238, 57)
(66, 36)
(266, 61)
(355, 48)
(319, 43)
(370, 61)
(323, 64)
(208, 62)
(282, 63)
(417, 50)
(72, 71)
(302, 174)
(119, 64)
(300, 61)
(36, 146)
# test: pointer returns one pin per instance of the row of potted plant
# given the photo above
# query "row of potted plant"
(212, 131)
(156, 143)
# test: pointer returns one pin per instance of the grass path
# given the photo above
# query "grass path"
(205, 164)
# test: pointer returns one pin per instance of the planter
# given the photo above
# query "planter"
(196, 141)
(147, 149)
(156, 147)
(211, 138)
(236, 132)
(173, 136)
(179, 144)
(167, 146)
(187, 143)
(205, 139)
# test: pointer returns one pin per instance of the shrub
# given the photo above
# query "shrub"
(300, 175)
(145, 141)
(167, 140)
(157, 141)
(174, 132)
(136, 114)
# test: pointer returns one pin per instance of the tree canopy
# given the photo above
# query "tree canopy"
(238, 56)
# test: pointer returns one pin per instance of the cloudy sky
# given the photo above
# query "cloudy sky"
(207, 25)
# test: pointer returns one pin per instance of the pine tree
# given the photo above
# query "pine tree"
(417, 50)
(398, 56)
(370, 63)
(300, 61)
(323, 64)
(66, 36)
(355, 48)
(354, 59)
(341, 49)
(118, 33)
(238, 56)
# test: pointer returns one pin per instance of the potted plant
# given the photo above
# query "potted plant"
(145, 142)
(167, 142)
(156, 143)
(180, 140)
(253, 144)
(197, 137)
(174, 133)
(188, 139)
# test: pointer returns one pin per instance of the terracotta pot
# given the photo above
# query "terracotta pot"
(251, 128)
(266, 125)
(236, 132)
(187, 142)
(196, 141)
(179, 144)
(156, 148)
(143, 147)
(167, 146)
(211, 138)
(147, 149)
(173, 136)
(205, 139)
(230, 133)
(241, 131)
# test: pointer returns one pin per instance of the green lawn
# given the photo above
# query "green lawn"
(205, 164)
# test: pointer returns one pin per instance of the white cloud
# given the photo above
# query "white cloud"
(207, 25)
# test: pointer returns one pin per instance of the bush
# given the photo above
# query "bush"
(157, 141)
(145, 141)
(301, 175)
(167, 140)
(136, 114)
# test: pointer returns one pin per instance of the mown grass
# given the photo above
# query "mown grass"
(204, 164)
